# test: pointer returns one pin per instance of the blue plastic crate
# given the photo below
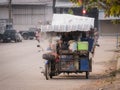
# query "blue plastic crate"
(84, 64)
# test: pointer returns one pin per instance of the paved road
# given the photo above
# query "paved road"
(19, 68)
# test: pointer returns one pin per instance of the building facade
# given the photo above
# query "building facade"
(106, 26)
(26, 14)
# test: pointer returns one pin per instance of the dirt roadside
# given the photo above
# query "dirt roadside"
(105, 71)
(104, 65)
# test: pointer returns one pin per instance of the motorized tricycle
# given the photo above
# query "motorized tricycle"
(74, 56)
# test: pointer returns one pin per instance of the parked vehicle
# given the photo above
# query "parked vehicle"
(1, 37)
(28, 34)
(11, 35)
(4, 26)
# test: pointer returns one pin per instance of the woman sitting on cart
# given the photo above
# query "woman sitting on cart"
(66, 37)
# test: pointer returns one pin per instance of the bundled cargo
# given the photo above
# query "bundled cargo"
(72, 45)
(65, 52)
(82, 46)
(66, 57)
(68, 66)
(76, 65)
(83, 52)
(48, 56)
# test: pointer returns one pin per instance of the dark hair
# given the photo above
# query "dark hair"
(83, 34)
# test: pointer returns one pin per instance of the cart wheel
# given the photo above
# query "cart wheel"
(48, 71)
(87, 75)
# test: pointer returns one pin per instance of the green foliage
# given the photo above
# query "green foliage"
(115, 21)
(111, 7)
(70, 11)
(74, 1)
(77, 2)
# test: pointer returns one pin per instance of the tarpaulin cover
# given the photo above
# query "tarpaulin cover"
(67, 23)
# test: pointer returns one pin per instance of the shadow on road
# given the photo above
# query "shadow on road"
(77, 77)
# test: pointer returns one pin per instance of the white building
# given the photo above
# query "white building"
(26, 13)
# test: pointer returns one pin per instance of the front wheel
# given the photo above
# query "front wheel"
(48, 71)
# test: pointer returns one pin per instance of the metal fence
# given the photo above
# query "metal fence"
(118, 40)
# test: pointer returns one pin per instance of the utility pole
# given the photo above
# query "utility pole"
(10, 10)
(9, 26)
(54, 9)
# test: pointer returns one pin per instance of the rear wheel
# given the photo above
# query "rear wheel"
(87, 75)
(48, 71)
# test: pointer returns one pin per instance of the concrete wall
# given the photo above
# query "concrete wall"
(4, 12)
(26, 17)
(108, 28)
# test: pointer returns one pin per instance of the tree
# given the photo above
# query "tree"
(70, 11)
(111, 7)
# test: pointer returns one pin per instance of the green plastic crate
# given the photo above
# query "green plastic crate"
(82, 46)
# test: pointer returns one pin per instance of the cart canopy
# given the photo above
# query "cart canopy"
(68, 23)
